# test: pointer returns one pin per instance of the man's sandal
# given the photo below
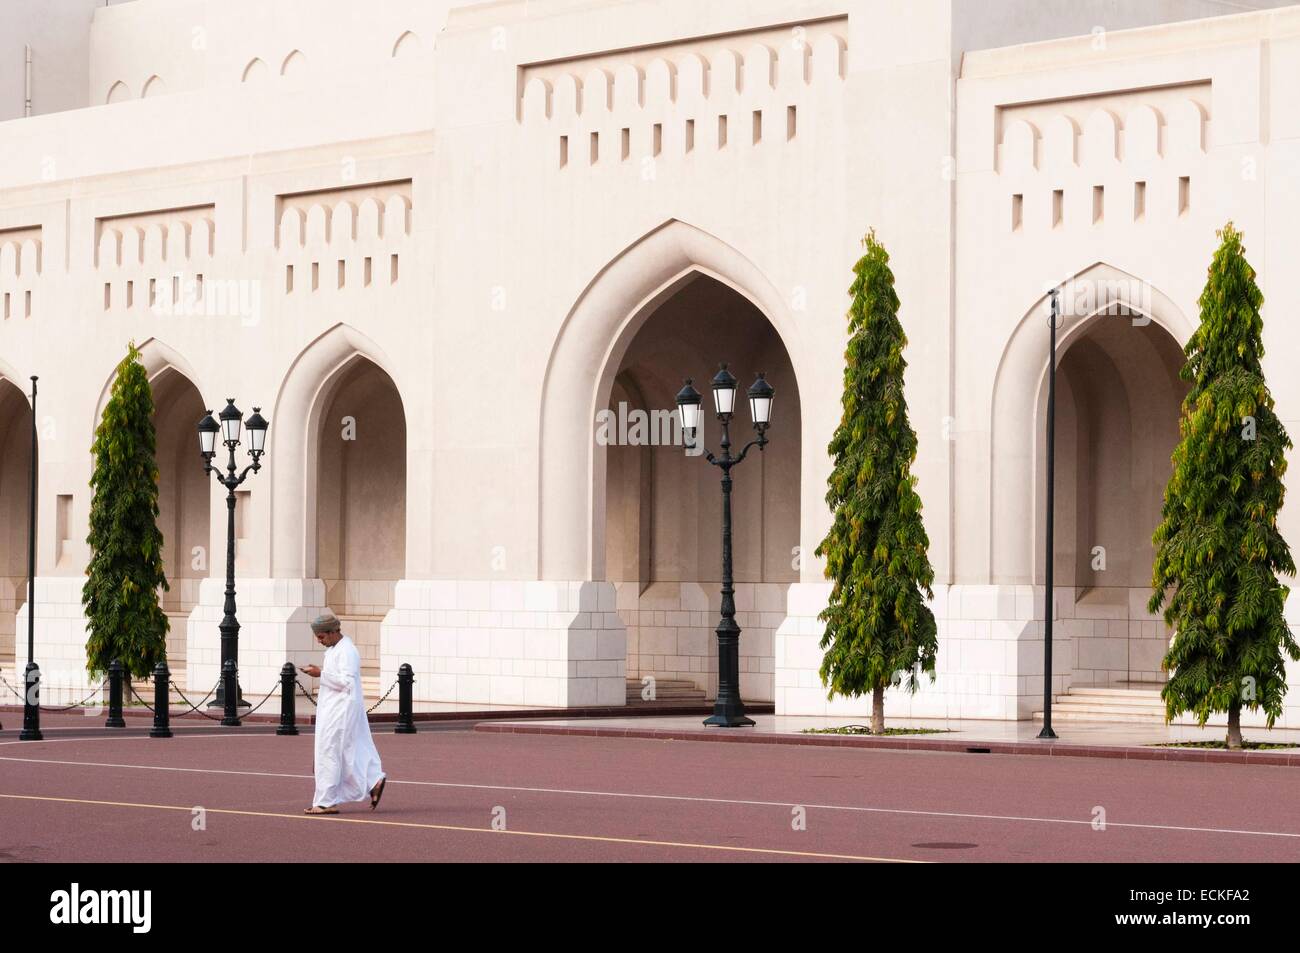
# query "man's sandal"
(377, 793)
(317, 809)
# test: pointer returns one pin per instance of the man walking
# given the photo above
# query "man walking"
(347, 764)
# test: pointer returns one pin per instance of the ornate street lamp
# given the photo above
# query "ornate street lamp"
(728, 709)
(229, 429)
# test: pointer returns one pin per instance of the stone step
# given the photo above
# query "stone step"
(1119, 701)
(1123, 690)
(1127, 717)
(1124, 702)
(1068, 704)
(664, 682)
(666, 689)
(676, 694)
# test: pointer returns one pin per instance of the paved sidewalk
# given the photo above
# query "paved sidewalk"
(387, 712)
(1075, 739)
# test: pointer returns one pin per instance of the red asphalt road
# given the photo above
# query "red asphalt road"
(122, 797)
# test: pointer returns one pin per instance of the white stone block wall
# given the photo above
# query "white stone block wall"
(60, 640)
(13, 593)
(544, 644)
(274, 627)
(361, 605)
(990, 662)
(670, 633)
(1118, 639)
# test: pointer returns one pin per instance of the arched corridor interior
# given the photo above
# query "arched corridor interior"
(1118, 403)
(184, 503)
(361, 500)
(663, 508)
(15, 464)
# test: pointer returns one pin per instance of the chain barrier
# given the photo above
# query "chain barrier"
(17, 694)
(384, 699)
(203, 713)
(47, 708)
(261, 703)
(194, 707)
(142, 701)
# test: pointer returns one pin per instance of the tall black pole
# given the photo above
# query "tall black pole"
(32, 678)
(1047, 731)
(728, 709)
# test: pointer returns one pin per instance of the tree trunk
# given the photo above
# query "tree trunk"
(1234, 725)
(878, 710)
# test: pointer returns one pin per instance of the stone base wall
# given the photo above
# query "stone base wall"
(60, 640)
(546, 644)
(670, 633)
(989, 666)
(361, 605)
(1118, 639)
(275, 627)
(13, 593)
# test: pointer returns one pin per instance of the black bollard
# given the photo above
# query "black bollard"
(161, 702)
(230, 689)
(115, 719)
(405, 715)
(288, 682)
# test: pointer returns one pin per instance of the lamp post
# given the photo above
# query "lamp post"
(32, 676)
(728, 709)
(231, 420)
(1047, 733)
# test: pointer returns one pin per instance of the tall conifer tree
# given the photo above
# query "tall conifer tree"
(125, 573)
(1218, 548)
(877, 620)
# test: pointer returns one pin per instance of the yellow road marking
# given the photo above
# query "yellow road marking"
(470, 830)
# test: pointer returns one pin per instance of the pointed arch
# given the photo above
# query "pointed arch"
(1015, 429)
(586, 355)
(293, 64)
(15, 467)
(117, 93)
(157, 356)
(407, 45)
(293, 450)
(185, 495)
(9, 373)
(255, 72)
(153, 86)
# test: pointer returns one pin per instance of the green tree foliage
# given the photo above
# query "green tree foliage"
(877, 621)
(1218, 548)
(125, 573)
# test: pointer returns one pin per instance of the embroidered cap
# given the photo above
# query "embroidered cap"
(325, 623)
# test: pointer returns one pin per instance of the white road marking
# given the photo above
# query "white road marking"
(687, 798)
(555, 835)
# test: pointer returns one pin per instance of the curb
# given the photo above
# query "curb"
(1277, 758)
(390, 717)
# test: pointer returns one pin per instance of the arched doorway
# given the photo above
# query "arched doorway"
(184, 502)
(360, 520)
(662, 507)
(15, 466)
(1118, 403)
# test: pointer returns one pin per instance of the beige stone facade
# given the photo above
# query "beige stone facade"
(460, 255)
